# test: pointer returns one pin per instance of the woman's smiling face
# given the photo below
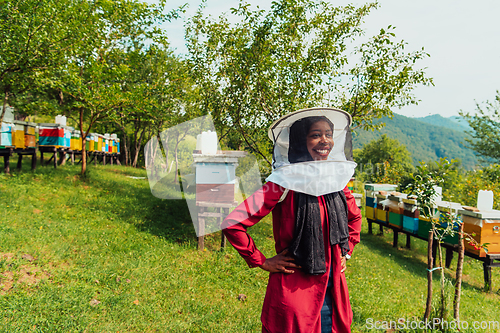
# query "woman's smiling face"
(320, 140)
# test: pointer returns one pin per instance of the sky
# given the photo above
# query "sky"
(462, 38)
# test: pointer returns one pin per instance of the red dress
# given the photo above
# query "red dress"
(293, 301)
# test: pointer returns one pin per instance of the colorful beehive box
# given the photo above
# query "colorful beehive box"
(446, 207)
(381, 187)
(483, 227)
(30, 128)
(425, 225)
(30, 135)
(18, 134)
(6, 134)
(350, 184)
(51, 135)
(370, 204)
(67, 136)
(382, 211)
(410, 215)
(76, 142)
(95, 139)
(99, 142)
(396, 210)
(118, 146)
(215, 181)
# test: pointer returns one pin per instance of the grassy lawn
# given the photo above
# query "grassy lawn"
(101, 254)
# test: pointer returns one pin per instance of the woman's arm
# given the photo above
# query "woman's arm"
(248, 213)
(354, 220)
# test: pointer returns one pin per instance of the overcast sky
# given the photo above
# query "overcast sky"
(462, 38)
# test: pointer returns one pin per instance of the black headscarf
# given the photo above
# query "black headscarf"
(307, 246)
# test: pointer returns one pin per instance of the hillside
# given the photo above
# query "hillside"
(424, 141)
(456, 122)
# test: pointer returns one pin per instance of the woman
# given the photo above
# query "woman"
(316, 224)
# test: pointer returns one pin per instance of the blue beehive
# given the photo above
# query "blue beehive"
(6, 134)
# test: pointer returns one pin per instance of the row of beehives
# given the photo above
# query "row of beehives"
(386, 206)
(22, 135)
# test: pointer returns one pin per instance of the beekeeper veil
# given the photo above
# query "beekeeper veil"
(293, 166)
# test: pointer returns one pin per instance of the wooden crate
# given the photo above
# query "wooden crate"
(486, 227)
(216, 193)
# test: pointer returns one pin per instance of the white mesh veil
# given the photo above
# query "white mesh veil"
(313, 177)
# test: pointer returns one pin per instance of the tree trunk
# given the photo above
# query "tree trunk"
(428, 305)
(155, 148)
(84, 156)
(84, 139)
(442, 314)
(167, 150)
(138, 144)
(5, 99)
(176, 162)
(126, 149)
(460, 265)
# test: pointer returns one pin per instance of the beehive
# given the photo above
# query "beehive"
(370, 205)
(67, 136)
(381, 187)
(483, 227)
(445, 207)
(215, 177)
(350, 184)
(395, 206)
(99, 142)
(382, 210)
(76, 142)
(410, 215)
(51, 135)
(18, 134)
(6, 134)
(30, 135)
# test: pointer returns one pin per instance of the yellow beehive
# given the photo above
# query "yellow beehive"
(100, 141)
(30, 128)
(18, 134)
(370, 212)
(76, 142)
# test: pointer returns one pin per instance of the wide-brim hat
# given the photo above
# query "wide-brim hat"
(340, 119)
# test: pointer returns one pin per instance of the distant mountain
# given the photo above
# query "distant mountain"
(426, 140)
(456, 122)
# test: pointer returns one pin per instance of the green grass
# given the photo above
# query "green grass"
(111, 257)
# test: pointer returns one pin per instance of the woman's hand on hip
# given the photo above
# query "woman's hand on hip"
(280, 263)
(343, 265)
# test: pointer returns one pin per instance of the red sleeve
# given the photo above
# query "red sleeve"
(248, 213)
(354, 217)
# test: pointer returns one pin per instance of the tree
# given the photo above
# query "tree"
(290, 57)
(383, 79)
(486, 128)
(36, 34)
(384, 160)
(92, 78)
(160, 86)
